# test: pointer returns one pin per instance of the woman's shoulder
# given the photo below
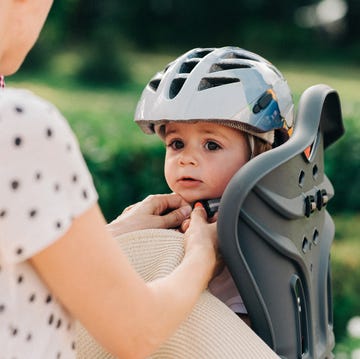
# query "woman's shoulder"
(23, 110)
(20, 99)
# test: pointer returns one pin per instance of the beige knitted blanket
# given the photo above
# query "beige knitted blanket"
(212, 330)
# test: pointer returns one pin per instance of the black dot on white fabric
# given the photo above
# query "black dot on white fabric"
(49, 132)
(85, 194)
(58, 224)
(18, 141)
(57, 187)
(14, 331)
(20, 279)
(19, 251)
(73, 346)
(33, 213)
(38, 176)
(68, 147)
(58, 324)
(58, 355)
(74, 178)
(3, 213)
(51, 319)
(2, 308)
(48, 299)
(29, 337)
(19, 109)
(14, 184)
(32, 298)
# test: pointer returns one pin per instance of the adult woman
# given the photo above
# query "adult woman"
(57, 261)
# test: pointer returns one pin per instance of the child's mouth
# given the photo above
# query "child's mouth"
(188, 181)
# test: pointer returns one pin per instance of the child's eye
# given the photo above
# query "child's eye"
(176, 144)
(212, 146)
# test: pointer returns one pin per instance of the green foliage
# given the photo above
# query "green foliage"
(103, 63)
(264, 26)
(128, 177)
(343, 169)
(342, 159)
(346, 272)
(344, 349)
(36, 61)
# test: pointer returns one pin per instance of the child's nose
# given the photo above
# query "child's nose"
(187, 158)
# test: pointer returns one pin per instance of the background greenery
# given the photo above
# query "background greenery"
(94, 58)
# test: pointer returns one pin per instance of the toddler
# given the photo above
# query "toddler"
(215, 109)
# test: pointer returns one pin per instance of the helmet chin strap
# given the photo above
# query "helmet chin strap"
(211, 205)
(251, 145)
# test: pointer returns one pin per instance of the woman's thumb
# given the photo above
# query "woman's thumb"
(199, 210)
(176, 217)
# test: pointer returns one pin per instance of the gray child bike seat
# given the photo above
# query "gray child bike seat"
(275, 233)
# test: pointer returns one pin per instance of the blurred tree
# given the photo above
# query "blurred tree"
(352, 38)
(256, 24)
(266, 27)
(343, 169)
(96, 31)
(259, 24)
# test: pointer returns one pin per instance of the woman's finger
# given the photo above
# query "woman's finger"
(175, 218)
(160, 203)
(198, 212)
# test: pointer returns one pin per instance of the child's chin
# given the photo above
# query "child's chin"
(189, 199)
(193, 199)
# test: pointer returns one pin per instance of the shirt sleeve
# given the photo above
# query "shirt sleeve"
(44, 181)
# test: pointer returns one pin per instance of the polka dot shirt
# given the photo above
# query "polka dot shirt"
(44, 185)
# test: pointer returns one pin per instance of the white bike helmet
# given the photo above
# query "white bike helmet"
(228, 85)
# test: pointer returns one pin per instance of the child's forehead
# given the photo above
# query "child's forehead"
(206, 127)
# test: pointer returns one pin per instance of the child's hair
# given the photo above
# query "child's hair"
(229, 86)
(259, 146)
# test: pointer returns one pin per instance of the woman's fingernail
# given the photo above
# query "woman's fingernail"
(198, 204)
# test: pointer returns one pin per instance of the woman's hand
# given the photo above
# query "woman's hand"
(201, 237)
(155, 211)
(185, 225)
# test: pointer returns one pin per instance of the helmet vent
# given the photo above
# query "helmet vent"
(167, 66)
(209, 82)
(188, 66)
(201, 53)
(176, 86)
(235, 55)
(154, 84)
(226, 65)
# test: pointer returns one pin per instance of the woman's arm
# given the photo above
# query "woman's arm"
(91, 276)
